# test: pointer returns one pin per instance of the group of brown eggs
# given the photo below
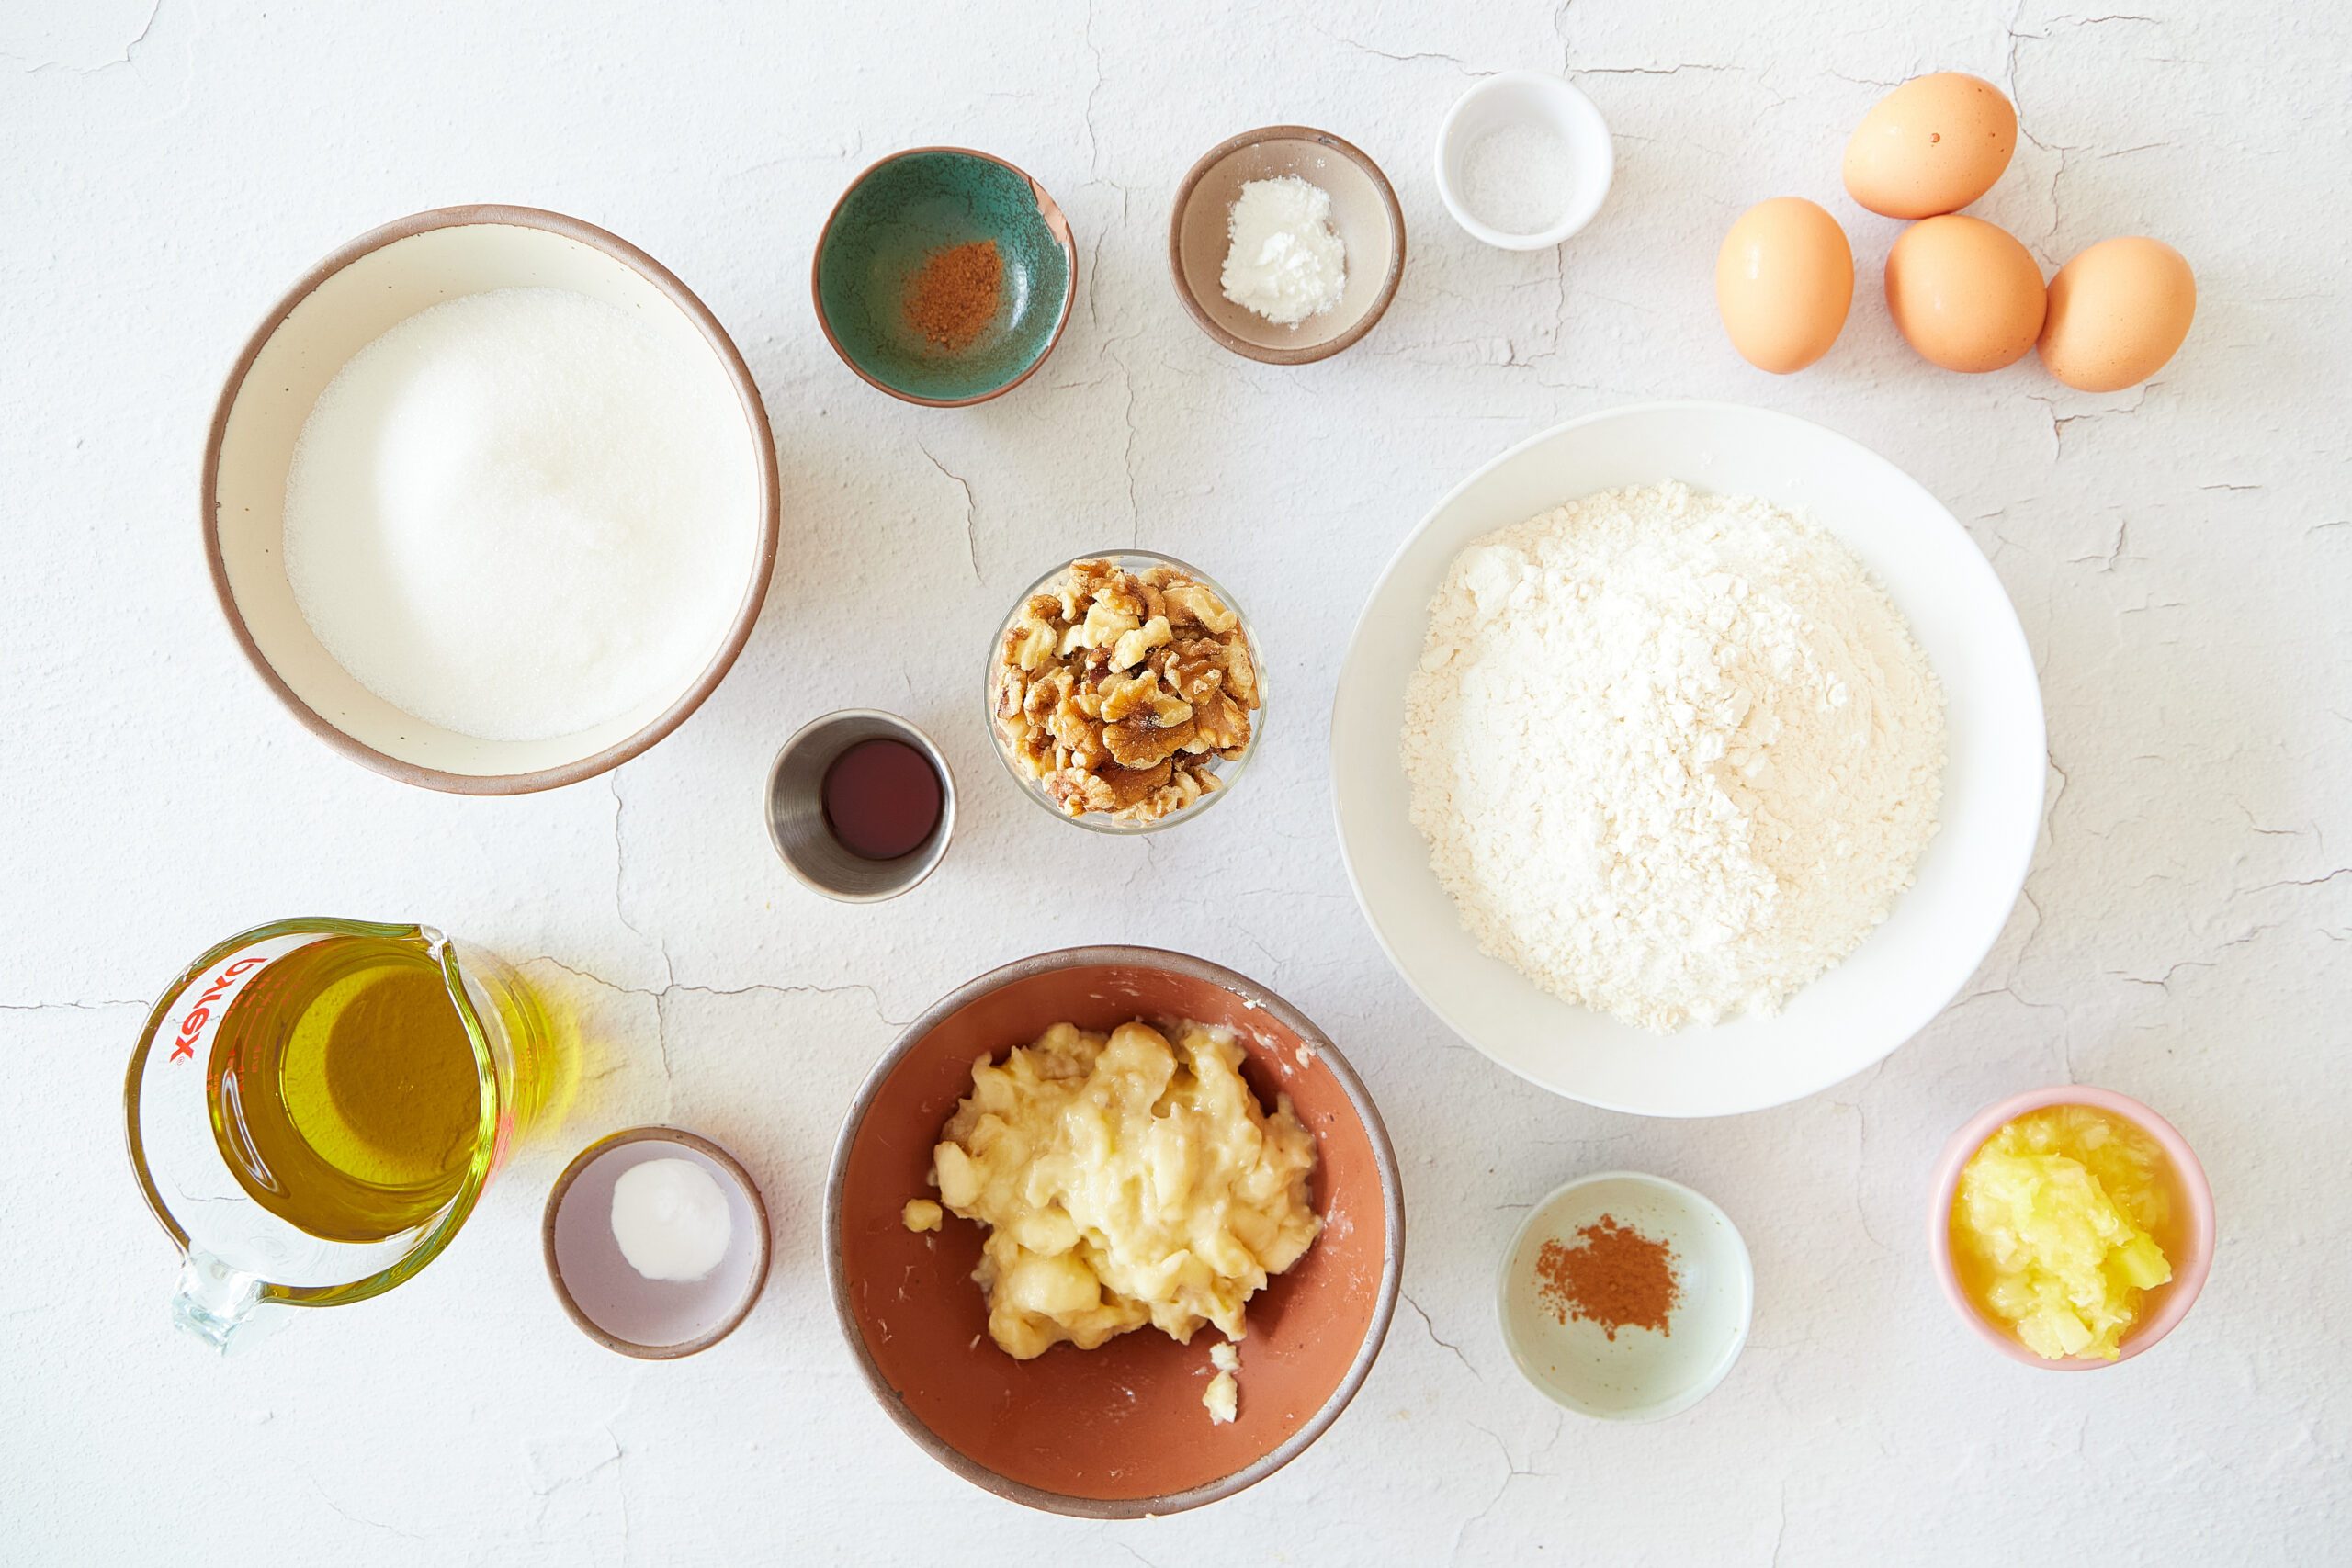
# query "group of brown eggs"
(1964, 293)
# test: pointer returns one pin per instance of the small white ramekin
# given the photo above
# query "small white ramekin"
(1526, 98)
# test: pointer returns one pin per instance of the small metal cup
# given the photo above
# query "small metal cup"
(795, 809)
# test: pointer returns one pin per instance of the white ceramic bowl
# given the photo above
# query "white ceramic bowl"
(1905, 971)
(1642, 1374)
(347, 301)
(1540, 99)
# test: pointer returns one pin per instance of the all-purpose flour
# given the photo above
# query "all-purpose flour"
(1674, 754)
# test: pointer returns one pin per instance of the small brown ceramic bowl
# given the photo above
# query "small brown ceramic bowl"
(1117, 1432)
(340, 306)
(1364, 213)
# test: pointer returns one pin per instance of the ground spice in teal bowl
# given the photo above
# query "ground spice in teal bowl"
(954, 294)
(945, 276)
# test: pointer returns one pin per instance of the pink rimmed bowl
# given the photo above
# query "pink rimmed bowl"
(2191, 1256)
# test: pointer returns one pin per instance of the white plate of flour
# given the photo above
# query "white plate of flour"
(1965, 883)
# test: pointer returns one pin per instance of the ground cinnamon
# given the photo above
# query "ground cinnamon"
(954, 294)
(1618, 1278)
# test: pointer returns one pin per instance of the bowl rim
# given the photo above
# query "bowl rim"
(1580, 213)
(658, 1134)
(1689, 1393)
(1217, 333)
(1391, 1268)
(1364, 629)
(911, 734)
(1056, 223)
(2187, 1283)
(747, 393)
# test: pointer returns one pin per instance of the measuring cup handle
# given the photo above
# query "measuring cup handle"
(212, 1300)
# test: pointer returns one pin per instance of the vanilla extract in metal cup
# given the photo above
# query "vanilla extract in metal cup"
(315, 1106)
(860, 805)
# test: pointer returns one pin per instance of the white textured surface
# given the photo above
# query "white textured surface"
(2178, 553)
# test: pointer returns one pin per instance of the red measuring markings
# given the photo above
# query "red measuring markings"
(201, 1013)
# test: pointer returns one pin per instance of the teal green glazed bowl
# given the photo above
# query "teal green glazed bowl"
(897, 214)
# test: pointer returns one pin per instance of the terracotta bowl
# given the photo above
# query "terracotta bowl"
(1116, 1432)
(1364, 213)
(340, 306)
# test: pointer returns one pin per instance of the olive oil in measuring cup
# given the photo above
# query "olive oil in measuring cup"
(344, 1091)
(314, 1107)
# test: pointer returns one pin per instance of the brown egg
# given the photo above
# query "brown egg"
(2116, 313)
(1933, 145)
(1963, 293)
(1783, 280)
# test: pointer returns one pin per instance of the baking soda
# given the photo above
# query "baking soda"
(670, 1219)
(1284, 260)
(523, 515)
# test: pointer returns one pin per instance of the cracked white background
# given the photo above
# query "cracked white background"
(2181, 553)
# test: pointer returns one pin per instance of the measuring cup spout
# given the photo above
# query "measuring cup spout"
(212, 1301)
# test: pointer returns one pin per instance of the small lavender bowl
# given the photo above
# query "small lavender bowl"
(653, 1320)
(1364, 213)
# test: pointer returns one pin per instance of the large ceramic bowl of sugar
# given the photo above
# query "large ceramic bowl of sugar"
(363, 290)
(1909, 968)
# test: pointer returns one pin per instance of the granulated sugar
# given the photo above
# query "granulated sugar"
(1674, 755)
(522, 515)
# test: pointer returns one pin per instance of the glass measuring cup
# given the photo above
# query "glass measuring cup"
(239, 1255)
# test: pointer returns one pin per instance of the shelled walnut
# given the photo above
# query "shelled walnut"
(1119, 691)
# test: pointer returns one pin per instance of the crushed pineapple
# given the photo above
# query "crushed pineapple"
(2051, 1229)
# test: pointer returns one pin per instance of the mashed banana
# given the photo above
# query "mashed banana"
(1222, 1396)
(1125, 1179)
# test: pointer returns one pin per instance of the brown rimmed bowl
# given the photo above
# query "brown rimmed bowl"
(1117, 1432)
(653, 1320)
(897, 214)
(1364, 213)
(340, 306)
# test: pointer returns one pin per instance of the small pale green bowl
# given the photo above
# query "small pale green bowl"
(896, 215)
